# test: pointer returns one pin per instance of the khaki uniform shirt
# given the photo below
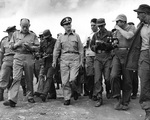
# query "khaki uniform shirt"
(6, 51)
(67, 44)
(29, 38)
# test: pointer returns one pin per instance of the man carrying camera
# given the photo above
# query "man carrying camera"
(101, 45)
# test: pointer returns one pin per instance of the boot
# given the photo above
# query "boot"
(99, 102)
(147, 116)
(1, 94)
(108, 94)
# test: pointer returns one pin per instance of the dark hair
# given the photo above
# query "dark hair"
(94, 20)
(130, 23)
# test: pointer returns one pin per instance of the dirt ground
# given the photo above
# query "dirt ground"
(82, 109)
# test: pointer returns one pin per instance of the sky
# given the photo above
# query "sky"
(47, 14)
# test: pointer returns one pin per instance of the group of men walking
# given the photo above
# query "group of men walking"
(112, 56)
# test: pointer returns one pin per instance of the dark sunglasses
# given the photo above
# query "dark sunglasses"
(119, 21)
(67, 24)
(100, 25)
(93, 25)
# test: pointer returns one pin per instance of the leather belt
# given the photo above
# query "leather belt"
(122, 48)
(23, 52)
(72, 52)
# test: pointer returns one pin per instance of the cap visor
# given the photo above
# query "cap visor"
(137, 10)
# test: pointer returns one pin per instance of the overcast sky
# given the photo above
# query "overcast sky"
(47, 14)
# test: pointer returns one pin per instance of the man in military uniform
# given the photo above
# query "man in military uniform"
(139, 56)
(47, 69)
(7, 57)
(24, 43)
(102, 47)
(90, 55)
(121, 77)
(70, 49)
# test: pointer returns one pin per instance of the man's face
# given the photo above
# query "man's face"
(101, 27)
(120, 23)
(67, 26)
(10, 34)
(25, 24)
(141, 16)
(24, 28)
(93, 27)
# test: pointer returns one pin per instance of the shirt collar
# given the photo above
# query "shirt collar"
(71, 33)
(23, 33)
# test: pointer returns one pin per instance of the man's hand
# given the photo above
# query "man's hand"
(117, 27)
(19, 43)
(27, 46)
(54, 64)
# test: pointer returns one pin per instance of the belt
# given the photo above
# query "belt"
(23, 52)
(122, 48)
(101, 51)
(72, 52)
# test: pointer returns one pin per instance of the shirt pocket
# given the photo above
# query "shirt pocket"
(74, 44)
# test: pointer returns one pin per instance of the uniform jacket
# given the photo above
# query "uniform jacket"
(101, 36)
(134, 51)
(46, 49)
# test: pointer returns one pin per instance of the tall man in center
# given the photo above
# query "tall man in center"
(70, 49)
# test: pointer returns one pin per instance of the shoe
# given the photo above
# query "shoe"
(108, 95)
(147, 116)
(37, 94)
(94, 98)
(51, 97)
(43, 97)
(99, 103)
(75, 95)
(133, 96)
(125, 107)
(67, 102)
(9, 103)
(31, 100)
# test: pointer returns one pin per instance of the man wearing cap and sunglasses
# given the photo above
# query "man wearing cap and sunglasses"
(23, 42)
(70, 49)
(121, 77)
(140, 59)
(102, 47)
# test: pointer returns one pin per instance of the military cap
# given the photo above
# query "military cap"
(100, 21)
(121, 17)
(40, 34)
(46, 33)
(143, 8)
(10, 29)
(65, 20)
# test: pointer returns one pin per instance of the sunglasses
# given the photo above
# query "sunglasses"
(67, 24)
(100, 25)
(93, 25)
(119, 21)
